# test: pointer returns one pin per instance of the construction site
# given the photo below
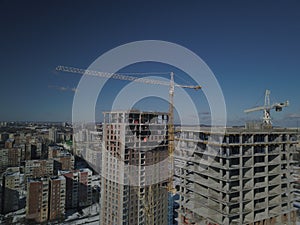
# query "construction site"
(244, 177)
(240, 175)
(222, 175)
(134, 182)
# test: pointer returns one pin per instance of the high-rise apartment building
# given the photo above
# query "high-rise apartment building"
(37, 199)
(78, 188)
(9, 157)
(57, 197)
(28, 151)
(54, 151)
(53, 134)
(45, 199)
(63, 160)
(241, 177)
(38, 150)
(9, 143)
(12, 186)
(4, 136)
(38, 168)
(134, 168)
(3, 159)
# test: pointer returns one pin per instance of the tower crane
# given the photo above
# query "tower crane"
(266, 108)
(171, 85)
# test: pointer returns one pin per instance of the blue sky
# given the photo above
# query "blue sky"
(249, 45)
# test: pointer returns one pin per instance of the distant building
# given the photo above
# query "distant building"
(22, 146)
(53, 134)
(32, 150)
(9, 143)
(3, 124)
(68, 136)
(45, 199)
(3, 160)
(54, 151)
(4, 136)
(14, 157)
(12, 185)
(28, 151)
(38, 168)
(1, 197)
(94, 157)
(39, 146)
(80, 139)
(9, 158)
(79, 188)
(38, 150)
(60, 136)
(63, 160)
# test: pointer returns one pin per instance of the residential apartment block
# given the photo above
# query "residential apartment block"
(45, 198)
(57, 197)
(12, 186)
(38, 168)
(241, 176)
(78, 188)
(134, 177)
(10, 157)
(63, 160)
(37, 199)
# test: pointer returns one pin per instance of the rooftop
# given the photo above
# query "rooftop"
(136, 111)
(57, 178)
(236, 130)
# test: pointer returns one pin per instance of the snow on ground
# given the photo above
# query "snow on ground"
(89, 215)
(15, 217)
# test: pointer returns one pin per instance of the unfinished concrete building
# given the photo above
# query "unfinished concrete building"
(131, 193)
(242, 177)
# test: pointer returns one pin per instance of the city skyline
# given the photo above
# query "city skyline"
(249, 46)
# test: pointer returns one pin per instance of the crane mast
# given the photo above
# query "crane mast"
(171, 132)
(267, 115)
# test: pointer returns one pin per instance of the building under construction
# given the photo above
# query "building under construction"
(240, 175)
(134, 168)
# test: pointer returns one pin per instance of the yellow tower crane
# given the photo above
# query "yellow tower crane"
(171, 85)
